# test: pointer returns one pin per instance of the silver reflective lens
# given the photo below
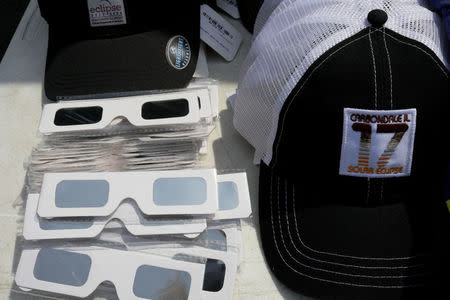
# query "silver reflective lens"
(179, 191)
(216, 239)
(228, 195)
(62, 267)
(152, 282)
(81, 193)
(65, 224)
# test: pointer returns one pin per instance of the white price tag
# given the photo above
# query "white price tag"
(230, 7)
(218, 33)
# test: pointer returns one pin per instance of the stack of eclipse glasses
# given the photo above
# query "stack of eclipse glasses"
(159, 131)
(172, 234)
(115, 204)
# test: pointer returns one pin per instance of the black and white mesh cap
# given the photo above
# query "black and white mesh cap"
(347, 106)
(101, 47)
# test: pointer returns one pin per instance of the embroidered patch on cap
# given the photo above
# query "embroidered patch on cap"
(106, 12)
(377, 143)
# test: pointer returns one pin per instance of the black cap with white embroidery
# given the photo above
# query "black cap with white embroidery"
(347, 108)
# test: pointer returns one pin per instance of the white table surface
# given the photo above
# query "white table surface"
(21, 100)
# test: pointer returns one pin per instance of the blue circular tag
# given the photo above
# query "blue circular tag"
(178, 52)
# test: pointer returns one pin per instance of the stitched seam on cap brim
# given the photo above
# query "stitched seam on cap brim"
(316, 278)
(333, 254)
(319, 269)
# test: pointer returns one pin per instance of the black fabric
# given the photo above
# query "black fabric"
(212, 3)
(290, 236)
(377, 17)
(141, 16)
(307, 210)
(248, 11)
(11, 12)
(84, 60)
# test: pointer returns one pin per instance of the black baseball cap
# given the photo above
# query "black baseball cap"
(350, 123)
(119, 46)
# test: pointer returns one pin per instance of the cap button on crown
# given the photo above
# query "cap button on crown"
(377, 17)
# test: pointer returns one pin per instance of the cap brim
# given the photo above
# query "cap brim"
(130, 63)
(378, 252)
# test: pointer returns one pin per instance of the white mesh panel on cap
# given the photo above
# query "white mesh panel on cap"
(281, 21)
(265, 12)
(274, 66)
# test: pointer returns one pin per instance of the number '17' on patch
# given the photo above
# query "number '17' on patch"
(377, 143)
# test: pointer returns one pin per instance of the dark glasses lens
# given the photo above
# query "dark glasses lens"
(78, 116)
(152, 282)
(62, 267)
(165, 109)
(214, 275)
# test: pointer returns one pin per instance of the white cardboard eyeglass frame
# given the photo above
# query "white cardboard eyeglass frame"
(123, 185)
(129, 108)
(244, 209)
(230, 260)
(128, 214)
(121, 272)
